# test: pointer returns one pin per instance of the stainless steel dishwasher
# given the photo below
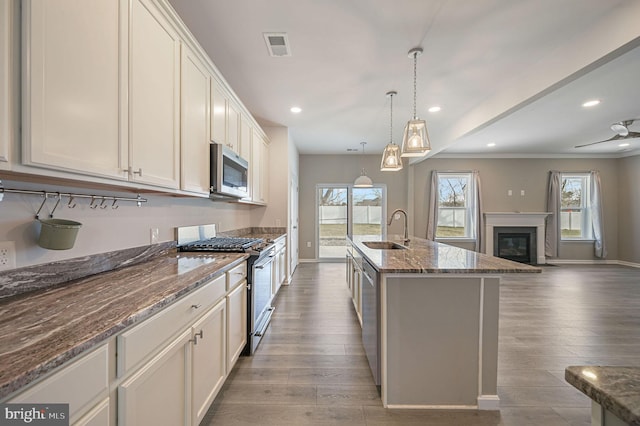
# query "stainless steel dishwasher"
(371, 319)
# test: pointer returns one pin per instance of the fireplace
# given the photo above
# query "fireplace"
(521, 220)
(515, 243)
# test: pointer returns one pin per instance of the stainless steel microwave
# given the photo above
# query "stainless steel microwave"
(229, 173)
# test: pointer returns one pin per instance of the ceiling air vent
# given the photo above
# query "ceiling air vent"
(277, 43)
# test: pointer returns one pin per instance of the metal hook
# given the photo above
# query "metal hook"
(71, 204)
(139, 200)
(113, 206)
(102, 204)
(41, 205)
(56, 206)
(93, 204)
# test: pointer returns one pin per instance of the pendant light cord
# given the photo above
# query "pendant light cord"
(391, 121)
(415, 71)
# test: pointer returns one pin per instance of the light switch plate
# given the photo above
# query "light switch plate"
(154, 235)
(7, 255)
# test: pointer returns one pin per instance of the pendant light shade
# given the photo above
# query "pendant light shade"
(363, 181)
(415, 141)
(391, 160)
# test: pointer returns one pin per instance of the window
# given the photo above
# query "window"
(456, 206)
(575, 211)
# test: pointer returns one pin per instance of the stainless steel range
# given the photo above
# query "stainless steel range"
(259, 272)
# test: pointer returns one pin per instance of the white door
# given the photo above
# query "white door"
(293, 227)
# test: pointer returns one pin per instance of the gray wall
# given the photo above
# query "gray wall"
(499, 175)
(629, 208)
(343, 169)
(106, 230)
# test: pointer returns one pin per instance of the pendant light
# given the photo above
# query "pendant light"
(363, 181)
(415, 141)
(391, 160)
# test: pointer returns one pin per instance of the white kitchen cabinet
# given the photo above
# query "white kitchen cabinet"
(209, 359)
(259, 168)
(225, 118)
(236, 322)
(279, 266)
(246, 131)
(98, 416)
(73, 85)
(81, 384)
(7, 85)
(157, 393)
(154, 96)
(194, 143)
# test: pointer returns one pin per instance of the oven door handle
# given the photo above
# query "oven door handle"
(263, 264)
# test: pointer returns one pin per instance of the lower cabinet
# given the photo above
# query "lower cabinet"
(236, 323)
(156, 394)
(209, 367)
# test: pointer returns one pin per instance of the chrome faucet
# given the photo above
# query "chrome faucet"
(406, 229)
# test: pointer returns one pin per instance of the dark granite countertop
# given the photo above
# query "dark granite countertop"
(425, 256)
(42, 329)
(616, 389)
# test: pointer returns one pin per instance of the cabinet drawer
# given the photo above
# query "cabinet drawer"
(236, 275)
(144, 340)
(79, 384)
(280, 243)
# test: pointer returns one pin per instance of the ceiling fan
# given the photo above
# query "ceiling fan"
(622, 132)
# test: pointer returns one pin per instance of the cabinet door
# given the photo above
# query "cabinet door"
(218, 114)
(245, 138)
(233, 127)
(7, 85)
(98, 416)
(74, 71)
(236, 323)
(157, 393)
(154, 98)
(257, 168)
(194, 124)
(264, 172)
(209, 359)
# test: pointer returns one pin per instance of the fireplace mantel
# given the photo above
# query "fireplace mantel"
(536, 219)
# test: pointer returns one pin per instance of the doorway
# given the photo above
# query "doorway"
(342, 211)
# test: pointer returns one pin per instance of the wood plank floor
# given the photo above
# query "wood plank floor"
(310, 369)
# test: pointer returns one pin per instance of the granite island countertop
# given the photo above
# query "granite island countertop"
(425, 256)
(42, 329)
(616, 389)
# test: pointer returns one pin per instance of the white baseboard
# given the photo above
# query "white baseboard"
(489, 402)
(592, 262)
(431, 407)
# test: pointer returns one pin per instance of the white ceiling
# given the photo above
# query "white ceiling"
(512, 72)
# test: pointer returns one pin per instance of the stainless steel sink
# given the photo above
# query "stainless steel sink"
(383, 245)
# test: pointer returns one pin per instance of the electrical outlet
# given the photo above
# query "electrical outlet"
(154, 235)
(309, 244)
(7, 255)
(509, 192)
(522, 192)
(278, 223)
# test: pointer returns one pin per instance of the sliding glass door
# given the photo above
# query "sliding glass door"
(344, 210)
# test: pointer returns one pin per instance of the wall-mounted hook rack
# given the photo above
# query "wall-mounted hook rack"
(96, 200)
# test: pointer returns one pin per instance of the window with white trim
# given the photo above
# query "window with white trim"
(575, 207)
(456, 206)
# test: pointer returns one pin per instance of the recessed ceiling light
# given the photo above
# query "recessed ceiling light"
(492, 144)
(591, 103)
(624, 144)
(296, 110)
(435, 108)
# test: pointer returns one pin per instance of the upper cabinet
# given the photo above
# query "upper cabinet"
(72, 85)
(225, 118)
(119, 89)
(194, 144)
(7, 43)
(259, 168)
(154, 97)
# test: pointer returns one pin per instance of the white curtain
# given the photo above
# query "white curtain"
(478, 212)
(552, 228)
(433, 207)
(596, 215)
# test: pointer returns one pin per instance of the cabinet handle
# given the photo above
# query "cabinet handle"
(134, 172)
(195, 306)
(195, 338)
(200, 334)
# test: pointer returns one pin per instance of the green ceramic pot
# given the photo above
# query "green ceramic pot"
(58, 234)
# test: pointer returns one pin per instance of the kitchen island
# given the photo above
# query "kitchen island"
(430, 321)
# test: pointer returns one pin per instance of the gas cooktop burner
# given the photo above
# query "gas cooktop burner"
(231, 244)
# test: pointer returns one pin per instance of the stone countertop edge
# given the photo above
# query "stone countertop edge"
(37, 367)
(617, 389)
(424, 256)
